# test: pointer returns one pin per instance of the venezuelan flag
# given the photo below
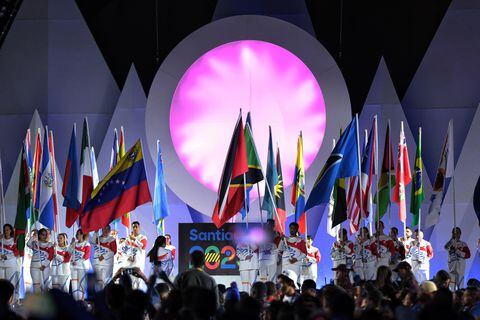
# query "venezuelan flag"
(123, 189)
(298, 191)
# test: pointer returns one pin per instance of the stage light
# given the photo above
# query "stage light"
(257, 76)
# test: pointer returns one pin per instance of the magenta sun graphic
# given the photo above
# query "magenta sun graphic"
(272, 83)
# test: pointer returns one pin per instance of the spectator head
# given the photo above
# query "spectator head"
(473, 283)
(259, 291)
(403, 268)
(114, 296)
(271, 290)
(232, 295)
(293, 226)
(470, 297)
(373, 297)
(428, 287)
(163, 290)
(442, 279)
(384, 276)
(337, 302)
(136, 228)
(292, 276)
(197, 259)
(200, 301)
(309, 288)
(287, 284)
(6, 292)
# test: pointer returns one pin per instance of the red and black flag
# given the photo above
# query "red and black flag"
(281, 215)
(231, 191)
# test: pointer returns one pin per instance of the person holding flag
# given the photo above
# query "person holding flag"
(8, 258)
(104, 251)
(342, 250)
(421, 252)
(61, 272)
(80, 250)
(136, 245)
(385, 246)
(268, 252)
(309, 270)
(293, 251)
(458, 252)
(42, 255)
(298, 191)
(365, 256)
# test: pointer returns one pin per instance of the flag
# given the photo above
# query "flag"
(114, 158)
(35, 179)
(121, 153)
(353, 204)
(160, 204)
(339, 214)
(231, 190)
(417, 195)
(387, 176)
(342, 163)
(28, 155)
(271, 180)
(298, 190)
(53, 164)
(254, 174)
(402, 177)
(71, 196)
(369, 171)
(24, 201)
(280, 215)
(93, 161)
(123, 189)
(45, 187)
(476, 200)
(445, 170)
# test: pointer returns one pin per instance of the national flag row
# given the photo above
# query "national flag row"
(346, 183)
(90, 203)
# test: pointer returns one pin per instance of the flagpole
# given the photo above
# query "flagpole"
(453, 174)
(376, 171)
(402, 172)
(421, 183)
(245, 198)
(260, 204)
(359, 167)
(389, 175)
(365, 142)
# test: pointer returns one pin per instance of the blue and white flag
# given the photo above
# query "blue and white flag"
(46, 208)
(160, 203)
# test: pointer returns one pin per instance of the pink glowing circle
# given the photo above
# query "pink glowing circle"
(269, 81)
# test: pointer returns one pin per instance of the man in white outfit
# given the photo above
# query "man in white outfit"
(458, 252)
(309, 269)
(293, 250)
(248, 264)
(421, 252)
(104, 250)
(135, 244)
(268, 253)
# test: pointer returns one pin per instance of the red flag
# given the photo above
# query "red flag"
(402, 177)
(231, 191)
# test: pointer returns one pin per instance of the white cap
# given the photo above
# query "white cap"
(292, 275)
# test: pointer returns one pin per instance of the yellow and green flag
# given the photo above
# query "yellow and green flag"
(417, 185)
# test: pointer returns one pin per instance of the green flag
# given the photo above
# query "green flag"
(387, 177)
(23, 203)
(417, 196)
(254, 173)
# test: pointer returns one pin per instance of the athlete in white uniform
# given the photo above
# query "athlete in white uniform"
(458, 252)
(61, 264)
(160, 257)
(169, 245)
(104, 250)
(407, 243)
(399, 248)
(421, 252)
(135, 244)
(342, 251)
(80, 264)
(365, 258)
(309, 269)
(268, 253)
(385, 247)
(248, 264)
(42, 255)
(8, 258)
(293, 250)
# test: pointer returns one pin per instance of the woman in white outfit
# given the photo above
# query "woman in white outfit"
(104, 250)
(8, 257)
(61, 264)
(42, 255)
(80, 250)
(365, 256)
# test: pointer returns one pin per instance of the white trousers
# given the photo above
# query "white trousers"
(421, 270)
(248, 277)
(297, 268)
(103, 274)
(40, 278)
(61, 282)
(309, 273)
(267, 272)
(456, 269)
(79, 280)
(11, 274)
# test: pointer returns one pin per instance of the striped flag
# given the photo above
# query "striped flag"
(402, 177)
(387, 176)
(35, 179)
(121, 153)
(51, 147)
(298, 191)
(353, 204)
(445, 170)
(268, 203)
(114, 158)
(369, 171)
(71, 196)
